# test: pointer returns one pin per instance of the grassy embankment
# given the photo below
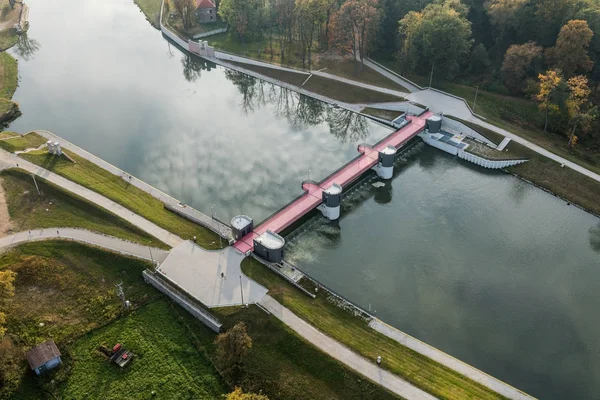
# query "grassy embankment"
(259, 50)
(356, 334)
(30, 140)
(326, 87)
(95, 178)
(9, 17)
(9, 110)
(70, 288)
(56, 208)
(151, 9)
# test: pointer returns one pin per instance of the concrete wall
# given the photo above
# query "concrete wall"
(179, 298)
(484, 162)
(213, 32)
(465, 130)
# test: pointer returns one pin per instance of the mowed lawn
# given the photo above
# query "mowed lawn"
(166, 363)
(56, 208)
(355, 333)
(151, 9)
(95, 178)
(22, 142)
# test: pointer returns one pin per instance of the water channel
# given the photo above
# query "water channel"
(477, 263)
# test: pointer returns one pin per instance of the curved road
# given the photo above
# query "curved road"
(86, 237)
(8, 160)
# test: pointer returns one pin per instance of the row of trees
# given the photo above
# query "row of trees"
(305, 25)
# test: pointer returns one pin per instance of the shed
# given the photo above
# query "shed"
(43, 357)
(206, 10)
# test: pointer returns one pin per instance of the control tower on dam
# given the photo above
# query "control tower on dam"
(325, 196)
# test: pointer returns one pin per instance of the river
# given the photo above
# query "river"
(477, 263)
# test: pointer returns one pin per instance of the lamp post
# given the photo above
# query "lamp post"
(475, 101)
(431, 76)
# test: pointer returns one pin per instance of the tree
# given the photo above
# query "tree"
(310, 14)
(570, 54)
(237, 394)
(243, 15)
(479, 61)
(232, 347)
(518, 62)
(7, 290)
(548, 84)
(503, 15)
(354, 27)
(581, 112)
(284, 17)
(409, 29)
(185, 9)
(441, 35)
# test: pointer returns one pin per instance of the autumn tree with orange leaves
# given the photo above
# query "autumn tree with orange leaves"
(354, 27)
(580, 110)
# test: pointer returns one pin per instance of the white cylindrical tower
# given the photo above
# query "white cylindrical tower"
(385, 167)
(434, 124)
(57, 149)
(50, 146)
(332, 198)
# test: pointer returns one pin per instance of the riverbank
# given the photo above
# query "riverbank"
(9, 78)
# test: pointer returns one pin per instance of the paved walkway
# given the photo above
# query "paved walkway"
(198, 272)
(212, 224)
(8, 160)
(335, 349)
(87, 237)
(392, 75)
(437, 355)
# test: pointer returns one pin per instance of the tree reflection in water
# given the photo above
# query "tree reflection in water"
(193, 67)
(595, 238)
(302, 111)
(26, 47)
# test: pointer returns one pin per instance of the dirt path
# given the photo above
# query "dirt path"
(5, 224)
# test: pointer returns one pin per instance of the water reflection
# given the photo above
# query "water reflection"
(26, 47)
(595, 238)
(299, 110)
(193, 67)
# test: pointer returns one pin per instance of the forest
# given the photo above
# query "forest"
(545, 51)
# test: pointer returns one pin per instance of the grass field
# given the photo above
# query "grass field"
(151, 9)
(9, 75)
(326, 87)
(9, 36)
(117, 189)
(57, 208)
(487, 133)
(62, 290)
(5, 135)
(27, 141)
(347, 69)
(356, 334)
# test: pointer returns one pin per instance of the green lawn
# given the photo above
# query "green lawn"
(167, 360)
(327, 87)
(58, 208)
(63, 290)
(348, 69)
(117, 189)
(9, 36)
(22, 142)
(9, 75)
(356, 334)
(6, 134)
(151, 9)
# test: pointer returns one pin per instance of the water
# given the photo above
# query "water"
(477, 263)
(104, 79)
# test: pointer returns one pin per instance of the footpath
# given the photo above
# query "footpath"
(86, 237)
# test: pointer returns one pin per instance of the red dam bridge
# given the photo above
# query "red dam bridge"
(313, 195)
